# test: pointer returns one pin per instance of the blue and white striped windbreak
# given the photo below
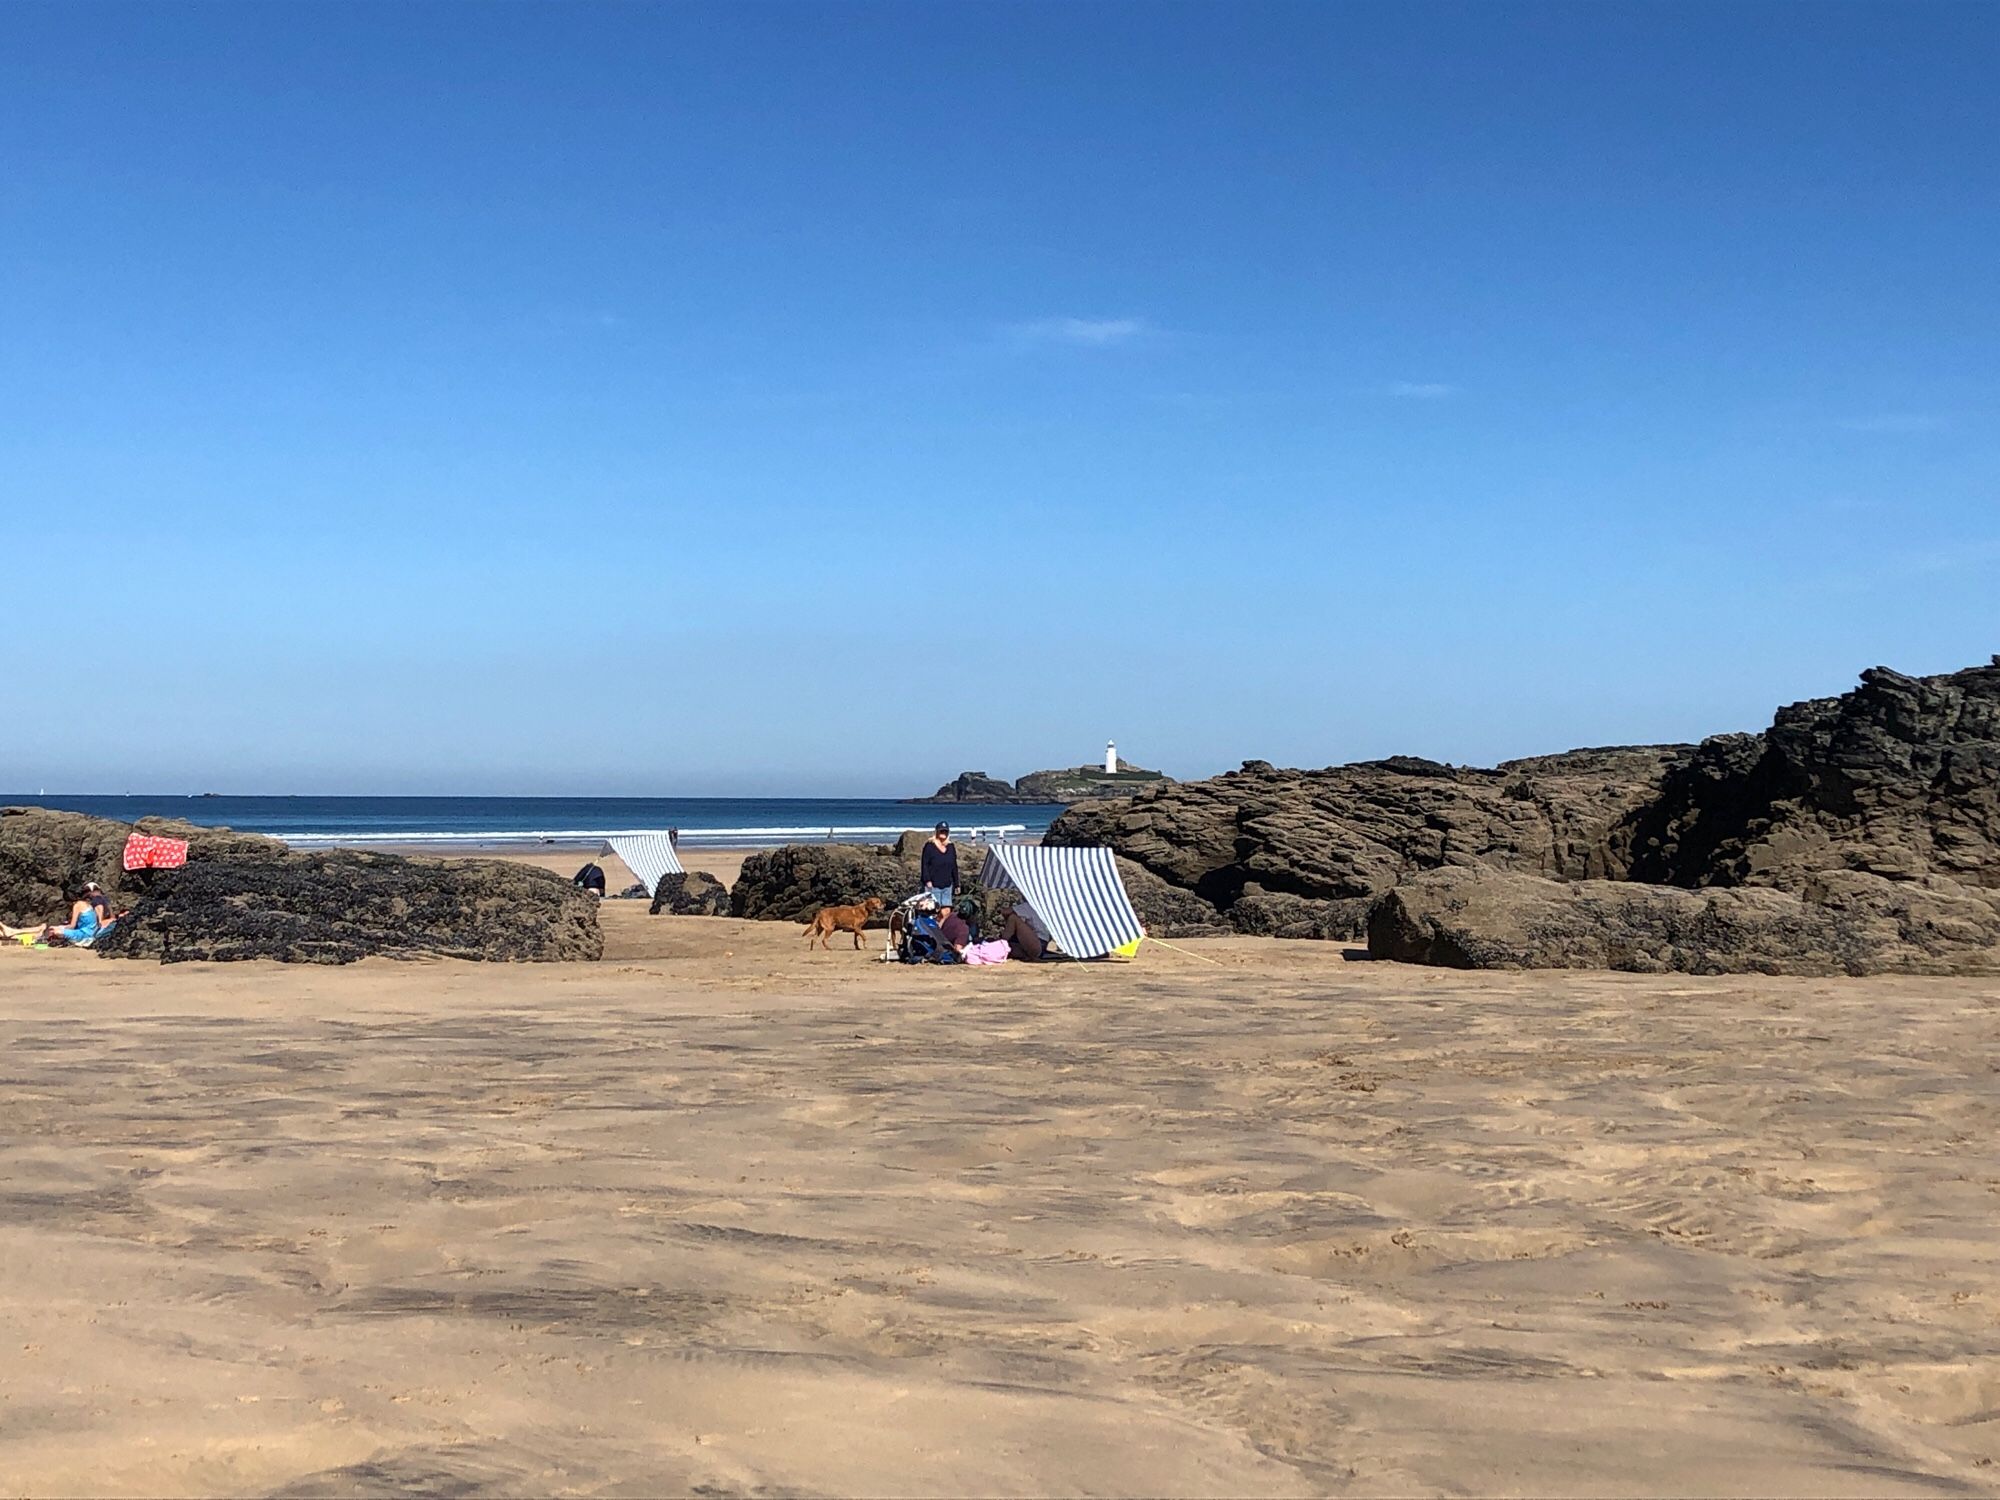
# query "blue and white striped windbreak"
(649, 856)
(1076, 893)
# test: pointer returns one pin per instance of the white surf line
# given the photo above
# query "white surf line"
(714, 836)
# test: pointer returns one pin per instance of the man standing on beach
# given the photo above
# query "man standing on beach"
(940, 869)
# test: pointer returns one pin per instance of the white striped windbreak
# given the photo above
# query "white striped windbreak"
(1076, 893)
(649, 856)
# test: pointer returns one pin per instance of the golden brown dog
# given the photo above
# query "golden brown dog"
(831, 919)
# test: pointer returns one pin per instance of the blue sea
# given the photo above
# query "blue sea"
(522, 822)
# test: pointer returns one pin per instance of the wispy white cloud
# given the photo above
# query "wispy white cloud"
(1894, 422)
(1420, 390)
(1079, 333)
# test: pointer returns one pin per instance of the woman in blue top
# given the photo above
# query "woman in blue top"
(89, 917)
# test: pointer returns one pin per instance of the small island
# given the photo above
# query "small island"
(1077, 784)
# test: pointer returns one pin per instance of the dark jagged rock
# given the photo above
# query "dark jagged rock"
(1257, 914)
(338, 906)
(693, 894)
(1352, 832)
(242, 895)
(1481, 918)
(1876, 815)
(1882, 804)
(1167, 910)
(46, 856)
(1899, 779)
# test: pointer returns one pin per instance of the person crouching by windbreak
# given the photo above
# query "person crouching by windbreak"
(955, 934)
(939, 871)
(590, 879)
(1023, 939)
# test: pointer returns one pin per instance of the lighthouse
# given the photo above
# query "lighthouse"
(1111, 757)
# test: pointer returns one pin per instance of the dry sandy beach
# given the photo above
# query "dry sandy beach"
(718, 1215)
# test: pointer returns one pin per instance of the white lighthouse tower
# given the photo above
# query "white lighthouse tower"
(1111, 757)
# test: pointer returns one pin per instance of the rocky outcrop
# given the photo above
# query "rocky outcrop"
(1481, 918)
(1081, 783)
(1077, 784)
(1874, 815)
(338, 906)
(1167, 910)
(242, 895)
(1898, 780)
(693, 894)
(1259, 914)
(46, 856)
(789, 884)
(973, 786)
(1349, 833)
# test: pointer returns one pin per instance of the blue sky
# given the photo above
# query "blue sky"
(826, 399)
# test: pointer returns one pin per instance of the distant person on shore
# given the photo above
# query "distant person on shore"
(939, 871)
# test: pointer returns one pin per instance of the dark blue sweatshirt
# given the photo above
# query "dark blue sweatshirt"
(940, 865)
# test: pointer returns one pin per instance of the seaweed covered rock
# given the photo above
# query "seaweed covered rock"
(789, 884)
(792, 883)
(46, 856)
(338, 906)
(693, 894)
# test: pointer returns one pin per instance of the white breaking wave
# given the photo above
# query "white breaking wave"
(714, 838)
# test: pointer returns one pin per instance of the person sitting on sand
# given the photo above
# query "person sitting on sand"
(939, 871)
(1023, 940)
(89, 919)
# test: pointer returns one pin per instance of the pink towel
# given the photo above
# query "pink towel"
(994, 952)
(146, 852)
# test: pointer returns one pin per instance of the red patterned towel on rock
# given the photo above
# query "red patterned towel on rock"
(145, 852)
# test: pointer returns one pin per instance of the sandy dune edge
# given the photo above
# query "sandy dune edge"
(732, 1217)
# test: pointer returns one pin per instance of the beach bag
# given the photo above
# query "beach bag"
(922, 945)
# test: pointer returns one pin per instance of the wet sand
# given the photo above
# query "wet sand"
(717, 1214)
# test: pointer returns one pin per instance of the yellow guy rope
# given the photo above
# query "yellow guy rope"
(1202, 956)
